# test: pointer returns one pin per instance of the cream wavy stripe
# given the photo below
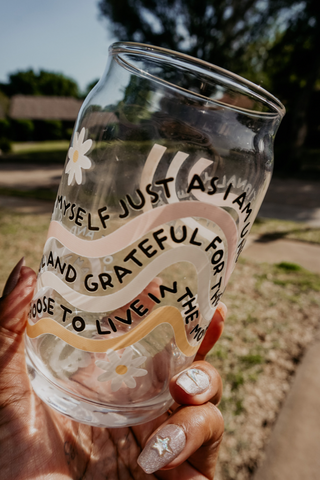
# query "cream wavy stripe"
(161, 315)
(106, 303)
(139, 226)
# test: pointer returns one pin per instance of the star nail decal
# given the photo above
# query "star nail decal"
(162, 445)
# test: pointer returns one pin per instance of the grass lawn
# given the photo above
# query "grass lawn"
(46, 146)
(273, 315)
(38, 152)
(21, 235)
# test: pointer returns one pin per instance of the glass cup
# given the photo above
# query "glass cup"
(169, 162)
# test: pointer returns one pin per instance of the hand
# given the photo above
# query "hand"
(36, 442)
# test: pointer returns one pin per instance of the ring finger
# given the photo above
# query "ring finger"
(187, 442)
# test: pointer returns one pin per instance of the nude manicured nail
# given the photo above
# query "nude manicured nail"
(162, 448)
(193, 381)
(13, 278)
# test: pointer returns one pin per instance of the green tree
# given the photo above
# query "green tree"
(43, 83)
(57, 84)
(275, 43)
(217, 31)
(293, 63)
(90, 86)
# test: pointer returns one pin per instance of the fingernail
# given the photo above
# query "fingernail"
(162, 448)
(193, 381)
(13, 278)
(222, 309)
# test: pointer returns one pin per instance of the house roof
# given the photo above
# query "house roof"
(44, 108)
(98, 120)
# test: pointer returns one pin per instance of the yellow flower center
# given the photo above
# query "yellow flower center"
(75, 156)
(121, 369)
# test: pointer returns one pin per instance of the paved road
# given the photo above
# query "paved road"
(292, 199)
(309, 215)
(28, 177)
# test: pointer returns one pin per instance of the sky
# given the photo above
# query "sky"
(62, 36)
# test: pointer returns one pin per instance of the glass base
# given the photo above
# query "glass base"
(92, 413)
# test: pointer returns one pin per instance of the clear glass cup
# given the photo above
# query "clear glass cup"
(169, 162)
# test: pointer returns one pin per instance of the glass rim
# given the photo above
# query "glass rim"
(243, 85)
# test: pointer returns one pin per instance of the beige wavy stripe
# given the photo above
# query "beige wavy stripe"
(168, 314)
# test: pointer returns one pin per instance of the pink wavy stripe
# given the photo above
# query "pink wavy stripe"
(145, 222)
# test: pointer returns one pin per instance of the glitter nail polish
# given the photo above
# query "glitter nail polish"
(162, 448)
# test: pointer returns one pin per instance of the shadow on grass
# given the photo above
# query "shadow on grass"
(269, 230)
(35, 194)
(272, 236)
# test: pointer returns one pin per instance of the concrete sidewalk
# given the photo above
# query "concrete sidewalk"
(307, 255)
(293, 451)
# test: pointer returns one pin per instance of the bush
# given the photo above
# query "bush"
(68, 133)
(48, 130)
(5, 145)
(4, 128)
(22, 130)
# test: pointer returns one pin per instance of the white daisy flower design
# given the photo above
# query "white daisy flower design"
(66, 360)
(121, 369)
(77, 157)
